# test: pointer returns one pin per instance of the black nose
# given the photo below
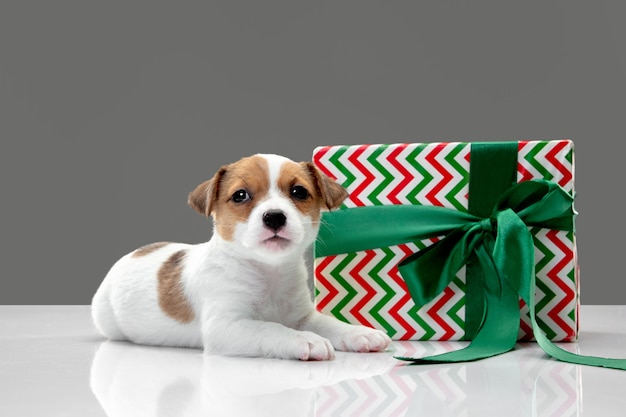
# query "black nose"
(274, 219)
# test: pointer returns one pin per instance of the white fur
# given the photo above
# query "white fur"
(248, 298)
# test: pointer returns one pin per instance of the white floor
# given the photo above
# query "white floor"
(53, 363)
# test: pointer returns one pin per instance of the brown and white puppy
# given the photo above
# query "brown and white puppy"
(244, 292)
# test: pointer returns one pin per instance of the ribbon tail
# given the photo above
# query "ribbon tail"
(558, 353)
(513, 235)
(500, 325)
(569, 357)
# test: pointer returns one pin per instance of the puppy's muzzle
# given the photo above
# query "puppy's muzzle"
(274, 219)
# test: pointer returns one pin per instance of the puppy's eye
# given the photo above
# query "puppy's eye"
(241, 196)
(299, 192)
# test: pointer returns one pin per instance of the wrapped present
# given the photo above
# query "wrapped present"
(366, 286)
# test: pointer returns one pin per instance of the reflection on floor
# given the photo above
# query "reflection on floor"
(52, 363)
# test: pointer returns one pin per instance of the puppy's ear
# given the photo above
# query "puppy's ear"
(203, 198)
(332, 193)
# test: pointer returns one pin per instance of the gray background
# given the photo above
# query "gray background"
(110, 113)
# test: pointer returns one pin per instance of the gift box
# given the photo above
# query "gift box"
(365, 287)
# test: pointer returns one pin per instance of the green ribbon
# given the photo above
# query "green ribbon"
(500, 247)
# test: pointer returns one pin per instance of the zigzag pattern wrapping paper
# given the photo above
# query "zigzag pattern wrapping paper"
(366, 288)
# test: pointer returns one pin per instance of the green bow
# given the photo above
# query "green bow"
(500, 248)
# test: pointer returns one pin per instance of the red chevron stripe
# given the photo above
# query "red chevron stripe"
(394, 311)
(467, 158)
(406, 175)
(434, 313)
(321, 303)
(355, 273)
(369, 177)
(431, 196)
(551, 156)
(568, 292)
(317, 159)
(523, 172)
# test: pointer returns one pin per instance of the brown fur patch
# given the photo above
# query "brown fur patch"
(171, 297)
(331, 193)
(204, 197)
(250, 174)
(292, 174)
(148, 249)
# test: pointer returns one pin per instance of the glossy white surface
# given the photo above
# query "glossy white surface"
(53, 363)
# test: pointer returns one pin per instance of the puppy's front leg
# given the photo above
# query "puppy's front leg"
(246, 337)
(344, 336)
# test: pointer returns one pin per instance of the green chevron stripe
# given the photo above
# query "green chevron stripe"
(459, 282)
(456, 190)
(374, 160)
(548, 255)
(389, 292)
(429, 332)
(334, 159)
(572, 312)
(536, 162)
(453, 313)
(427, 177)
(549, 295)
(422, 244)
(351, 292)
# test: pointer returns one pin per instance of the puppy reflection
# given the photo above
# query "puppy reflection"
(132, 380)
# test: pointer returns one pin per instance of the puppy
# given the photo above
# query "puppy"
(244, 292)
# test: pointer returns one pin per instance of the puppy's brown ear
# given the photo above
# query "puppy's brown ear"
(332, 193)
(203, 198)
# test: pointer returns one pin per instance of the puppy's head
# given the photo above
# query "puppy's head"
(267, 205)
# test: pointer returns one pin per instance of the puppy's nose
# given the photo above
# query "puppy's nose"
(274, 219)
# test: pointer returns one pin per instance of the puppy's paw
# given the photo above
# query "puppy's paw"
(364, 339)
(307, 346)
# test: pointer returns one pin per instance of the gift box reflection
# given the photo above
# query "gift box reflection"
(131, 380)
(511, 385)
